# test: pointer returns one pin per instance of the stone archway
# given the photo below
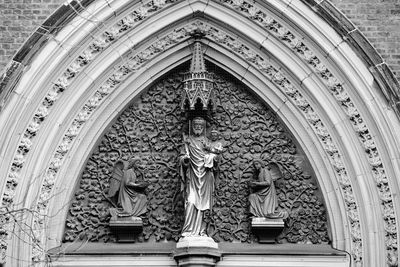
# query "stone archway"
(87, 72)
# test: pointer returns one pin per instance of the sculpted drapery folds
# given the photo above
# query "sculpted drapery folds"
(125, 191)
(198, 166)
(263, 199)
(151, 128)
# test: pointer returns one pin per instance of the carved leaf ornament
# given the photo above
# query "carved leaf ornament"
(150, 130)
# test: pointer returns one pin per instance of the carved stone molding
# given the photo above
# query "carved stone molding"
(236, 45)
(151, 128)
(126, 229)
(62, 83)
(135, 62)
(197, 251)
(257, 14)
(298, 99)
(267, 230)
(339, 91)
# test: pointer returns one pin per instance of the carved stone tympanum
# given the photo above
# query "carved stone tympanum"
(151, 129)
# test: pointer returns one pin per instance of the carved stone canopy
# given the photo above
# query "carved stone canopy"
(198, 83)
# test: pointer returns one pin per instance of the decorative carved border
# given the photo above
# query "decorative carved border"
(254, 13)
(136, 61)
(60, 85)
(321, 131)
(134, 64)
(339, 91)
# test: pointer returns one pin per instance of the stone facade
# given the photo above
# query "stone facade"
(149, 130)
(331, 91)
(379, 21)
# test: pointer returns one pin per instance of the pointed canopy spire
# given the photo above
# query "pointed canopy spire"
(198, 84)
(197, 65)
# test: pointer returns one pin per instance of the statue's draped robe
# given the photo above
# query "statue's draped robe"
(264, 202)
(132, 202)
(199, 185)
(115, 181)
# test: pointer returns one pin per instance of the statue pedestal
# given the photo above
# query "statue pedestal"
(267, 230)
(126, 228)
(197, 251)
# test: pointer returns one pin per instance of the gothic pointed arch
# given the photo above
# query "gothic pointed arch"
(301, 59)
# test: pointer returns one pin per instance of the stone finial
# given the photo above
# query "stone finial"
(198, 84)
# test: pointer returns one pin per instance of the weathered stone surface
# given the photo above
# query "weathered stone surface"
(126, 229)
(159, 254)
(364, 48)
(197, 257)
(378, 21)
(267, 230)
(8, 81)
(197, 251)
(196, 241)
(336, 18)
(151, 129)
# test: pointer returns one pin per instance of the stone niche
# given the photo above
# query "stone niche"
(150, 129)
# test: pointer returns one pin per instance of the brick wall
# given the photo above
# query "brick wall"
(379, 20)
(18, 20)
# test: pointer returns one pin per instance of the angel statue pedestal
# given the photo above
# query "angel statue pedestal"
(267, 222)
(126, 228)
(197, 251)
(267, 230)
(128, 197)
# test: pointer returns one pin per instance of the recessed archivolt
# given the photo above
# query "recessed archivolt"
(118, 76)
(339, 91)
(231, 43)
(271, 25)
